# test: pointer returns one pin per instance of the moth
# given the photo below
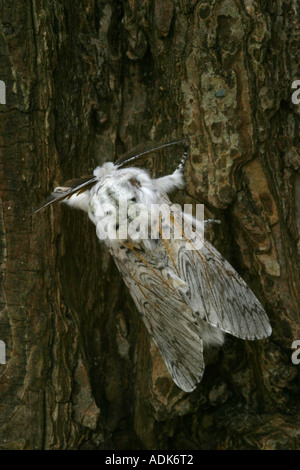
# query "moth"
(187, 293)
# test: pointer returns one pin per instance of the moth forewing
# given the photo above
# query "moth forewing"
(154, 286)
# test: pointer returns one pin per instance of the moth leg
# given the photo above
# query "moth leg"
(166, 184)
(184, 157)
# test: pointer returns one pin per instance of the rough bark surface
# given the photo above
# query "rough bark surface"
(85, 82)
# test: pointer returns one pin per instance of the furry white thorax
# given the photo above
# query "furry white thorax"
(132, 185)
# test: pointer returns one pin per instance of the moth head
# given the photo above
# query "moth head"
(101, 171)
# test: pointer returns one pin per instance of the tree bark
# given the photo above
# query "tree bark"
(86, 81)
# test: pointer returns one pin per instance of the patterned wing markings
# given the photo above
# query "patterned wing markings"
(218, 294)
(169, 320)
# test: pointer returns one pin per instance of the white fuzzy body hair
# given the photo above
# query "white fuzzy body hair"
(133, 185)
(135, 182)
(80, 201)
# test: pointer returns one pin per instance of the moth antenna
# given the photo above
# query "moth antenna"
(120, 162)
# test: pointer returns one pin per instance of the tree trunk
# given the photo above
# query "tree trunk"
(86, 81)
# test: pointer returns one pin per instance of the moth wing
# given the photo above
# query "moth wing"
(218, 294)
(170, 322)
